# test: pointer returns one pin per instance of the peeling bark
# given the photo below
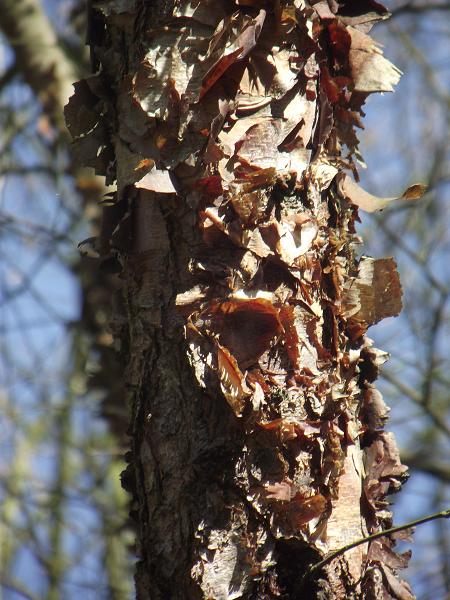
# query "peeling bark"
(257, 442)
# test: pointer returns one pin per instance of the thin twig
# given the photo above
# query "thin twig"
(417, 398)
(418, 8)
(17, 589)
(427, 463)
(444, 514)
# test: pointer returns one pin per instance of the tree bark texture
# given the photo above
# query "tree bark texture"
(257, 435)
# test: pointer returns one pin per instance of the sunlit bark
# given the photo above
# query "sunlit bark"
(256, 432)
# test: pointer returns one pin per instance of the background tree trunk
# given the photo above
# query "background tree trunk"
(50, 72)
(257, 435)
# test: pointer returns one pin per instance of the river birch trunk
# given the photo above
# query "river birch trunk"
(257, 435)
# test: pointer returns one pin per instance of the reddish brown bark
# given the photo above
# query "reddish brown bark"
(257, 435)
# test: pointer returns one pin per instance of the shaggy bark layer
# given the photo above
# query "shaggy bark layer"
(257, 434)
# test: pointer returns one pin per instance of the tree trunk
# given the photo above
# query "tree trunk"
(257, 442)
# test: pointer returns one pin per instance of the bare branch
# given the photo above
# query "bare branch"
(39, 57)
(415, 9)
(429, 465)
